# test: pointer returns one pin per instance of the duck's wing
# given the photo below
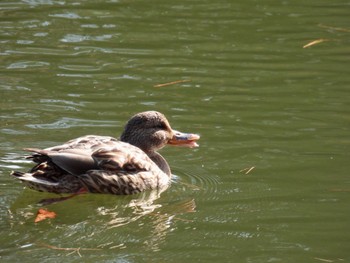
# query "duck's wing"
(73, 161)
(73, 156)
(106, 155)
(122, 157)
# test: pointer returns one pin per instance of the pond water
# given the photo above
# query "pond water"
(270, 180)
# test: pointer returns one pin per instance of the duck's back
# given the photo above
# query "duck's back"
(86, 142)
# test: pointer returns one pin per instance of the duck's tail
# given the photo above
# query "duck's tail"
(65, 184)
(28, 177)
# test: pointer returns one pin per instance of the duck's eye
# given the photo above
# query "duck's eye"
(161, 126)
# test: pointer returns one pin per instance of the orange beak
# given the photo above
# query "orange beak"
(184, 139)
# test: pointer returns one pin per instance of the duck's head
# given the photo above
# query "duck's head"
(150, 131)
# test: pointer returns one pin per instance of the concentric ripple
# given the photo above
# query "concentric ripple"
(206, 185)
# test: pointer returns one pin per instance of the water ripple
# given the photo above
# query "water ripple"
(199, 181)
(13, 161)
(66, 102)
(83, 67)
(28, 64)
(69, 15)
(66, 123)
(75, 38)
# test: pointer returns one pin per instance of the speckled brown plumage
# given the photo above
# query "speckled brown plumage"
(102, 164)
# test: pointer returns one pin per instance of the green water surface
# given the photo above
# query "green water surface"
(270, 180)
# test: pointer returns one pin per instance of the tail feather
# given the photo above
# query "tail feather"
(36, 150)
(37, 155)
(28, 177)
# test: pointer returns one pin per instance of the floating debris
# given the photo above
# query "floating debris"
(315, 42)
(335, 28)
(171, 83)
(72, 249)
(324, 260)
(247, 170)
(44, 214)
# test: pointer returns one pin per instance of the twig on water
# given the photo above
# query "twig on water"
(171, 83)
(324, 260)
(247, 170)
(73, 249)
(315, 42)
(335, 28)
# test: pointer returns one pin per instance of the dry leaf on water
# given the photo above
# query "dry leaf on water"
(43, 214)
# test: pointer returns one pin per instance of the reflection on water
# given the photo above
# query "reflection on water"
(100, 223)
(139, 207)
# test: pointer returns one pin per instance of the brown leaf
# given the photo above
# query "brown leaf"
(43, 214)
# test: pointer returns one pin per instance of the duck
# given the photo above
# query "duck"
(103, 164)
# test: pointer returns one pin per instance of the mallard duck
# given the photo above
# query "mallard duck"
(102, 164)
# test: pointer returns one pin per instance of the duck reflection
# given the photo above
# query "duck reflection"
(136, 208)
(124, 221)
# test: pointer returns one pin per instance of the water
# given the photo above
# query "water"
(269, 182)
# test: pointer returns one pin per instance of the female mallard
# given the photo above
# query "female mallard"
(102, 164)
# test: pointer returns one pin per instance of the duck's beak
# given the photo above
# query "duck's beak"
(184, 139)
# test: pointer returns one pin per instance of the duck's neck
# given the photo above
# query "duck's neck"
(160, 161)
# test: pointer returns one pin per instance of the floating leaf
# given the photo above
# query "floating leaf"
(43, 214)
